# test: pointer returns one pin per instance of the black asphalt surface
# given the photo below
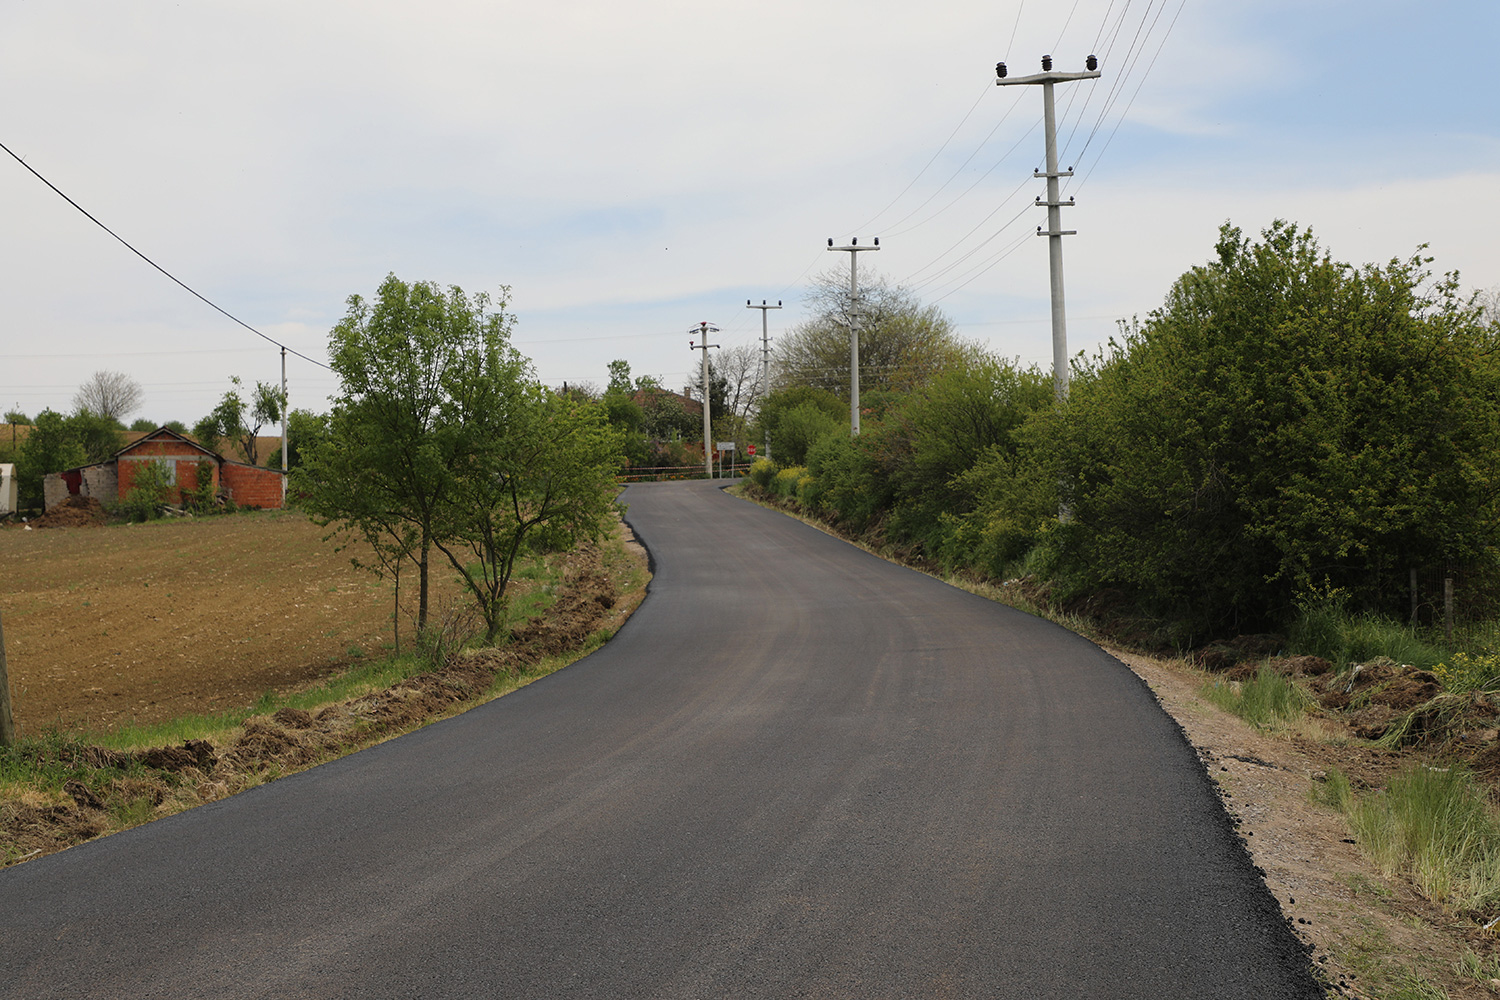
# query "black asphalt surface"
(798, 771)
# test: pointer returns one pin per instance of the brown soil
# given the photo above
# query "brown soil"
(125, 623)
(123, 788)
(74, 512)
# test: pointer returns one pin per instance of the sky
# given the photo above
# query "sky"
(628, 171)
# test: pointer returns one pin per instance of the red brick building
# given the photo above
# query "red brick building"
(185, 459)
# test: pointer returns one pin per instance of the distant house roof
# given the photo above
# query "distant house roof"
(689, 404)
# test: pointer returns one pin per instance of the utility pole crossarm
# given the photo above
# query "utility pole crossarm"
(1053, 77)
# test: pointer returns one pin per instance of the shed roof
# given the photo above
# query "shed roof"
(167, 434)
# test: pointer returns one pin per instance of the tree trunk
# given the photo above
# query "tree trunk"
(422, 585)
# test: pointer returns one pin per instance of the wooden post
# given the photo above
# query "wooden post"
(1448, 608)
(7, 721)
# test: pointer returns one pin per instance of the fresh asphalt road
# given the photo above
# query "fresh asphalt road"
(797, 771)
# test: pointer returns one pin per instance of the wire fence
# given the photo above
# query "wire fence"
(664, 473)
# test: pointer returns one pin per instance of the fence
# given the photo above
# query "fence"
(662, 473)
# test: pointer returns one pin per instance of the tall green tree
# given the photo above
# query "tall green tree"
(440, 437)
(238, 422)
(532, 469)
(386, 467)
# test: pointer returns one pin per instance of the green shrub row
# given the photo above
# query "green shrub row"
(1284, 428)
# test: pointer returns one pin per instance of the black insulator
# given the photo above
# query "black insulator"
(877, 241)
(1046, 64)
(830, 241)
(1092, 62)
(854, 241)
(1000, 70)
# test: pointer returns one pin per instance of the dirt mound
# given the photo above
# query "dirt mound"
(577, 612)
(1408, 690)
(1228, 653)
(74, 512)
(1404, 706)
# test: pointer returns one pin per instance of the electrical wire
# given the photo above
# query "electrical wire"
(977, 181)
(1129, 104)
(929, 163)
(1004, 201)
(128, 354)
(123, 242)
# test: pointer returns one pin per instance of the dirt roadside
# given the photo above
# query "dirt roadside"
(1366, 932)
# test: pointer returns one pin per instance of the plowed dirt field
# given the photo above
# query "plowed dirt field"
(107, 625)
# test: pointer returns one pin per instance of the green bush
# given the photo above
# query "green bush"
(800, 428)
(1323, 627)
(201, 497)
(849, 478)
(762, 472)
(1285, 419)
(152, 485)
(787, 481)
(1463, 672)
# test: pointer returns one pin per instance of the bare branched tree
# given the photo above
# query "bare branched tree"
(109, 394)
(902, 343)
(737, 370)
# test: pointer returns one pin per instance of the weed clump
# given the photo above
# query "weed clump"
(1432, 824)
(1267, 699)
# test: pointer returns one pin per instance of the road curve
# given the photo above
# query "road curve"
(797, 771)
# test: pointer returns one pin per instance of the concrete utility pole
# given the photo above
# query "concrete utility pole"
(853, 250)
(1054, 203)
(765, 359)
(703, 330)
(283, 427)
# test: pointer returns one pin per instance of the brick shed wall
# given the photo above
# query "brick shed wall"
(185, 457)
(250, 486)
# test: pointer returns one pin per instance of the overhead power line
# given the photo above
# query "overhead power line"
(177, 281)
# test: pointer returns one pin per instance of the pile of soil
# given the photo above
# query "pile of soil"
(74, 512)
(1402, 706)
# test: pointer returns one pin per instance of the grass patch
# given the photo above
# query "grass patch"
(1325, 629)
(1471, 966)
(1267, 699)
(1433, 825)
(1409, 985)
